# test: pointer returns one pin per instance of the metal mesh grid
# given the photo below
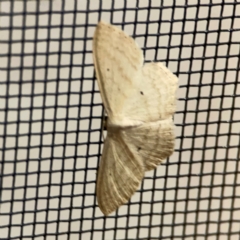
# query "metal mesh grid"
(51, 111)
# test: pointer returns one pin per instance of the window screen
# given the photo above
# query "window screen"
(51, 119)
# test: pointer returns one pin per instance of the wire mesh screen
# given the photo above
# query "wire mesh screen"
(51, 115)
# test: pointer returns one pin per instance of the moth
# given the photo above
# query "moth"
(140, 100)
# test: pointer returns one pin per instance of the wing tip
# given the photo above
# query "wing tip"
(107, 207)
(101, 23)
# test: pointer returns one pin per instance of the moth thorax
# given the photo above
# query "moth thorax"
(122, 123)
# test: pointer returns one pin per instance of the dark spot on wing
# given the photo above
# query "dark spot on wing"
(142, 93)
